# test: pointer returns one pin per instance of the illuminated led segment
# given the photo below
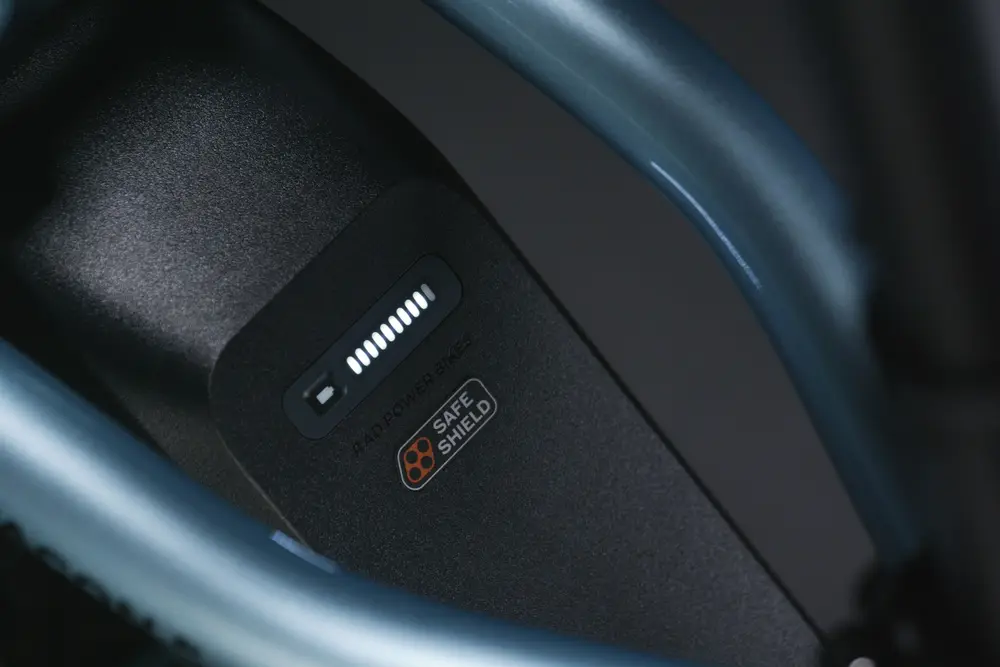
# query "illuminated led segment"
(396, 324)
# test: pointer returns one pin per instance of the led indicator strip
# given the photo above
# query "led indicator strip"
(396, 324)
(372, 347)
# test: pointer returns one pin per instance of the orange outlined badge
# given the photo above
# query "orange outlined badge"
(445, 434)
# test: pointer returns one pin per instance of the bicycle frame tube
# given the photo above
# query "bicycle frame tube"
(6, 11)
(134, 530)
(695, 129)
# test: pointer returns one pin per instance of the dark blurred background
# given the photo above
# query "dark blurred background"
(634, 274)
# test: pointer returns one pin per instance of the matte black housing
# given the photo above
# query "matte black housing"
(223, 203)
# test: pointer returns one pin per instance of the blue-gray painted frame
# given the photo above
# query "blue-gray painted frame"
(688, 122)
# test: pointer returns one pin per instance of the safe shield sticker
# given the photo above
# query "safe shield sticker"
(445, 434)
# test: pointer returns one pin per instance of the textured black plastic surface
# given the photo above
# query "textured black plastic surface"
(223, 203)
(566, 511)
(178, 162)
(198, 174)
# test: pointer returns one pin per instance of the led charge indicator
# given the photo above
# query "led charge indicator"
(405, 315)
(373, 346)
